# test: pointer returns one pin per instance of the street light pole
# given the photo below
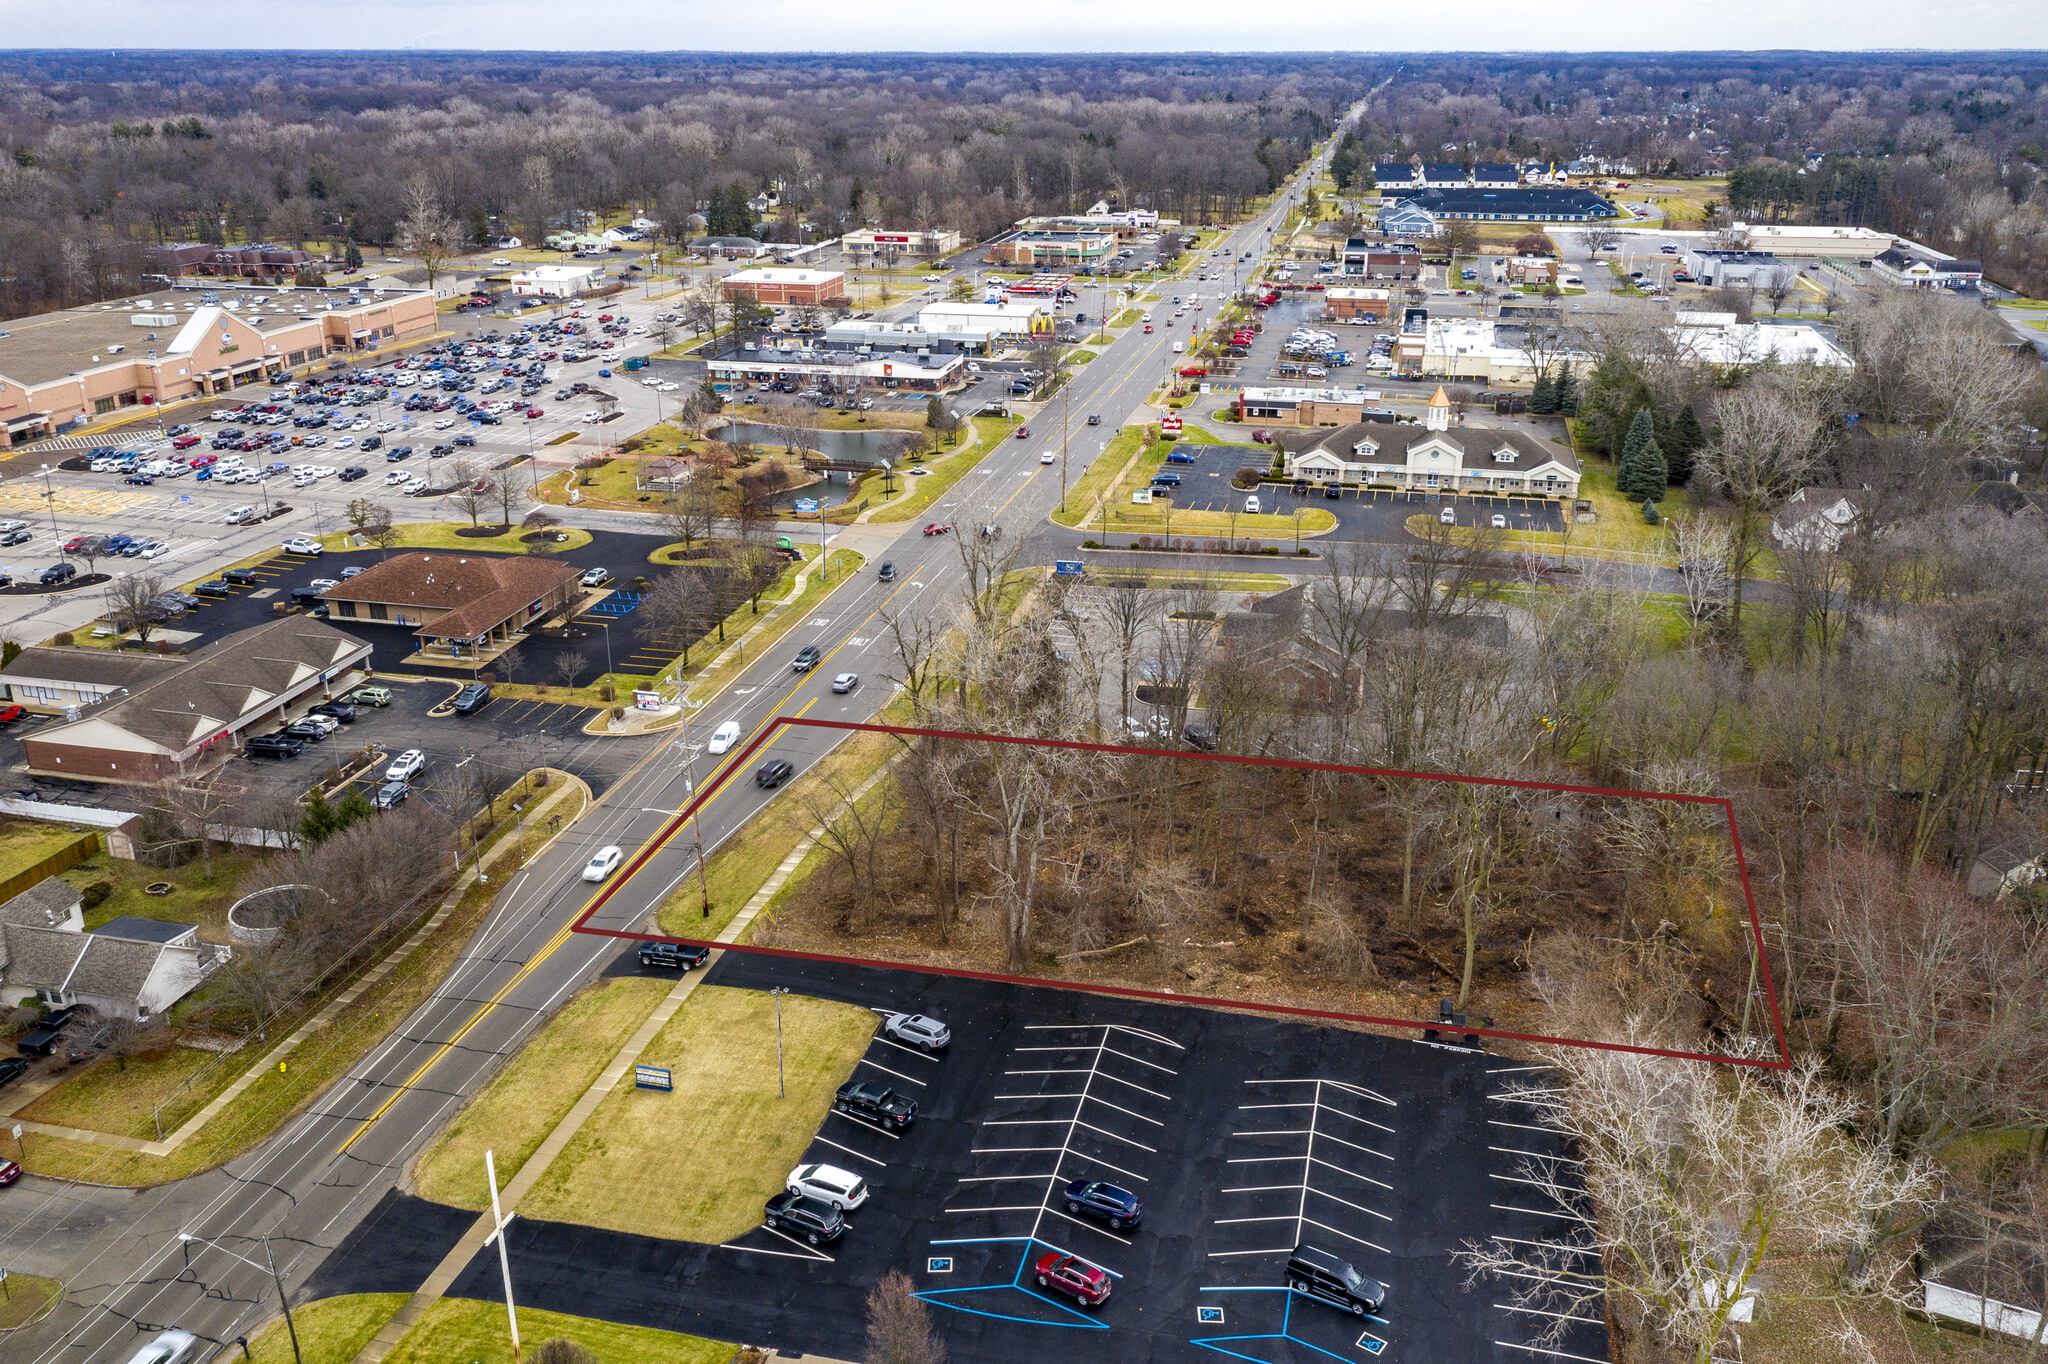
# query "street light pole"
(270, 1263)
(778, 992)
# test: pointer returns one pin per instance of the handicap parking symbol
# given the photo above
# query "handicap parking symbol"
(1371, 1343)
(939, 1264)
(1209, 1316)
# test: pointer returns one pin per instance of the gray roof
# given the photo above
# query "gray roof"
(236, 676)
(44, 905)
(116, 968)
(39, 958)
(102, 669)
(134, 929)
(1394, 442)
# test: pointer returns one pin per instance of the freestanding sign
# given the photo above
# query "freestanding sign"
(1067, 568)
(653, 1077)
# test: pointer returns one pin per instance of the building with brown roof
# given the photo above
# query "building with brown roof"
(180, 715)
(1432, 457)
(466, 603)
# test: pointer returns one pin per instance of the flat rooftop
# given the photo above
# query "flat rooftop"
(35, 350)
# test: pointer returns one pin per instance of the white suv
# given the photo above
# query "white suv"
(843, 1189)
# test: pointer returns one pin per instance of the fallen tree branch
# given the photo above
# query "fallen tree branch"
(1105, 951)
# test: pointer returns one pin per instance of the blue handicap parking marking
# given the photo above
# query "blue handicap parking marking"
(1209, 1316)
(1371, 1343)
(939, 1264)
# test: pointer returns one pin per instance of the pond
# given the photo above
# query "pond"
(848, 445)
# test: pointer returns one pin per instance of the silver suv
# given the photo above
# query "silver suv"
(917, 1030)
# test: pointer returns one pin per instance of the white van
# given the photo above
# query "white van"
(1179, 346)
(241, 516)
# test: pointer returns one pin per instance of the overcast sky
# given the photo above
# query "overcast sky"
(1039, 25)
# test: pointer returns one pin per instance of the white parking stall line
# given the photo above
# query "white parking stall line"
(1118, 1079)
(1362, 1091)
(1139, 1060)
(1356, 1207)
(1251, 1108)
(1014, 1207)
(1354, 1146)
(1025, 1122)
(1346, 1170)
(914, 1051)
(1001, 1179)
(1539, 1212)
(1259, 1160)
(1227, 1254)
(1262, 1188)
(1517, 1179)
(1533, 1155)
(1554, 1354)
(1276, 1132)
(1534, 1098)
(1234, 1221)
(1093, 1099)
(864, 1125)
(1007, 1150)
(897, 1073)
(1334, 1231)
(1098, 1160)
(1522, 1126)
(994, 1097)
(1098, 1230)
(1510, 1070)
(782, 1254)
(1380, 1126)
(1114, 1136)
(1549, 1245)
(857, 1155)
(1554, 1316)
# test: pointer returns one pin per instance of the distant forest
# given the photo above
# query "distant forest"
(102, 154)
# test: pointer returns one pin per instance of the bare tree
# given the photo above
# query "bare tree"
(426, 231)
(899, 1324)
(509, 498)
(1768, 439)
(570, 664)
(918, 636)
(473, 492)
(132, 603)
(1705, 549)
(1131, 612)
(674, 612)
(851, 830)
(688, 511)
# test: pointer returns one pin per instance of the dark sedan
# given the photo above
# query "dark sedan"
(773, 773)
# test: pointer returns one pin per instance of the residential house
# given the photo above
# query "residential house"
(1432, 457)
(1495, 175)
(1444, 175)
(127, 968)
(1406, 218)
(730, 248)
(1397, 175)
(1816, 518)
(2010, 862)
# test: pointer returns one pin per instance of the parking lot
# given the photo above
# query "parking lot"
(1243, 1136)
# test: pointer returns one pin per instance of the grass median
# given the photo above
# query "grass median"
(944, 473)
(721, 1047)
(442, 535)
(840, 566)
(459, 1330)
(513, 1114)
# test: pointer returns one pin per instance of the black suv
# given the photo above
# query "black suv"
(773, 773)
(1327, 1275)
(876, 1103)
(801, 1215)
(278, 746)
(241, 577)
(1104, 1202)
(335, 710)
(807, 658)
(472, 698)
(57, 573)
(680, 955)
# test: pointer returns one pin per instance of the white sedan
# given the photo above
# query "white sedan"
(153, 548)
(499, 260)
(1047, 458)
(724, 737)
(444, 423)
(406, 765)
(604, 863)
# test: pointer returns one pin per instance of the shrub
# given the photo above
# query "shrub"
(95, 895)
(1273, 549)
(1304, 551)
(488, 679)
(61, 638)
(1136, 545)
(1085, 544)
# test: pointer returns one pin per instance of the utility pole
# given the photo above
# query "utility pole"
(186, 1238)
(499, 1222)
(697, 816)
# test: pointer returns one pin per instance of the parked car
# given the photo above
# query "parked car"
(843, 1189)
(1499, 521)
(603, 862)
(679, 955)
(379, 697)
(815, 1220)
(1448, 516)
(1108, 1203)
(773, 773)
(472, 698)
(282, 745)
(1085, 1283)
(16, 537)
(406, 765)
(309, 729)
(241, 577)
(57, 573)
(390, 795)
(595, 577)
(918, 1030)
(1320, 1273)
(9, 714)
(876, 1103)
(9, 1172)
(724, 737)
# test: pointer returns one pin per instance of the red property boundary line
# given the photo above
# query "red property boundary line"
(768, 735)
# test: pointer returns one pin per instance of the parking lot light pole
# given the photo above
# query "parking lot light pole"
(779, 991)
(187, 1238)
(606, 627)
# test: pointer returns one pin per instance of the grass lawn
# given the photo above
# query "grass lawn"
(1081, 497)
(25, 1298)
(24, 843)
(744, 862)
(441, 535)
(463, 1331)
(1126, 518)
(274, 1097)
(331, 1331)
(106, 1096)
(840, 567)
(193, 898)
(946, 471)
(535, 1090)
(1080, 357)
(1220, 581)
(721, 1046)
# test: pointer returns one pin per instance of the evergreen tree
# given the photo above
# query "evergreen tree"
(1685, 441)
(1567, 392)
(1640, 473)
(319, 820)
(1544, 399)
(352, 256)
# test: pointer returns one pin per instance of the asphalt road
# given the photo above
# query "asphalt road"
(305, 1188)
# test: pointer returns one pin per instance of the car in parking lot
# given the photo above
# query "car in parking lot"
(1118, 1207)
(406, 765)
(472, 698)
(57, 573)
(773, 773)
(603, 862)
(1499, 522)
(390, 795)
(379, 697)
(241, 577)
(876, 1103)
(724, 737)
(16, 537)
(918, 1030)
(845, 683)
(679, 955)
(806, 658)
(1085, 1283)
(843, 1189)
(282, 745)
(335, 710)
(595, 577)
(1319, 1273)
(815, 1220)
(312, 728)
(1448, 516)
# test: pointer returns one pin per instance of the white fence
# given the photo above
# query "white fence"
(1987, 1313)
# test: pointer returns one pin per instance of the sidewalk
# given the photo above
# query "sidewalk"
(444, 1274)
(567, 787)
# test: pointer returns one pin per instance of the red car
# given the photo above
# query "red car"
(533, 412)
(936, 528)
(9, 1172)
(184, 442)
(75, 543)
(604, 317)
(1078, 1279)
(201, 461)
(1023, 433)
(1262, 437)
(1148, 329)
(9, 714)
